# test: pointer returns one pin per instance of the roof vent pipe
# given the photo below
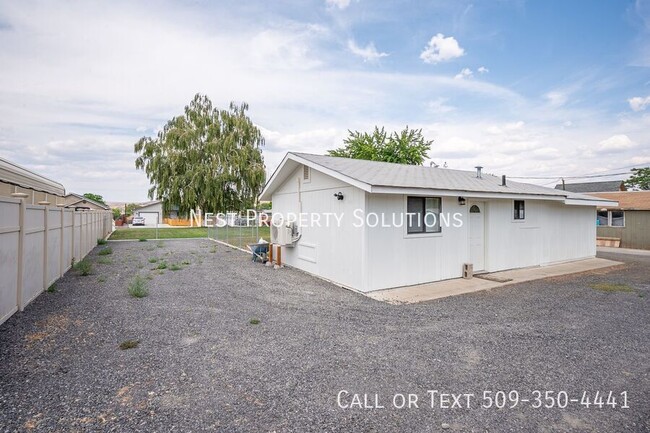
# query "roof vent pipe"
(503, 180)
(478, 171)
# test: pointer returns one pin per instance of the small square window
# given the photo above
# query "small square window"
(520, 210)
(423, 215)
(602, 218)
(618, 218)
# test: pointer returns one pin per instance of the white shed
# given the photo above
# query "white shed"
(370, 225)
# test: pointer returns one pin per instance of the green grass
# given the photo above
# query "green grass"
(104, 261)
(254, 321)
(175, 267)
(105, 251)
(138, 287)
(101, 241)
(153, 259)
(129, 344)
(52, 288)
(612, 287)
(84, 267)
(163, 233)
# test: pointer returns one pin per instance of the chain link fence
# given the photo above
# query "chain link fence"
(239, 231)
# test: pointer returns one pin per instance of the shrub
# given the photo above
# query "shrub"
(161, 265)
(84, 267)
(104, 261)
(175, 267)
(142, 239)
(105, 251)
(52, 288)
(138, 287)
(153, 259)
(101, 241)
(129, 344)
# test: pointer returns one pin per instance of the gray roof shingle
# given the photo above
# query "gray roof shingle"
(606, 186)
(386, 174)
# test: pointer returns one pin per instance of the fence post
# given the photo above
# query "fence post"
(46, 212)
(62, 248)
(21, 253)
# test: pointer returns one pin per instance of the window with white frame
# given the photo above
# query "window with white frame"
(423, 215)
(610, 218)
(519, 210)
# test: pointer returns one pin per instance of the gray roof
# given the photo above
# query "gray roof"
(607, 186)
(387, 174)
(15, 174)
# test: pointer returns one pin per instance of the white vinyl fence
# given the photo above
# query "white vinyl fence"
(37, 246)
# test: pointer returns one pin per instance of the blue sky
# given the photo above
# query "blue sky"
(524, 88)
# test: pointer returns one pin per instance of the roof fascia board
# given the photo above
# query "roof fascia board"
(466, 194)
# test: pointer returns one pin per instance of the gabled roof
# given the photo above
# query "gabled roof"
(83, 199)
(148, 203)
(14, 174)
(384, 177)
(586, 187)
(627, 200)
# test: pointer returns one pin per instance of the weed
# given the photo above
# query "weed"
(149, 277)
(161, 265)
(129, 344)
(612, 287)
(104, 261)
(52, 288)
(254, 321)
(175, 267)
(153, 259)
(138, 287)
(105, 251)
(101, 241)
(84, 267)
(101, 279)
(142, 240)
(213, 250)
(160, 244)
(185, 262)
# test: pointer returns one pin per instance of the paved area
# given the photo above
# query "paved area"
(631, 251)
(460, 286)
(201, 365)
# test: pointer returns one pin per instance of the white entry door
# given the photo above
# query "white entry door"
(477, 235)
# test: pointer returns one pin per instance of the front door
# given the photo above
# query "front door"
(477, 235)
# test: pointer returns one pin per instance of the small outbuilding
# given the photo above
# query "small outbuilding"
(79, 202)
(370, 225)
(627, 223)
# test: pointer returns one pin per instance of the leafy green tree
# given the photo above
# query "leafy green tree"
(95, 197)
(129, 208)
(640, 179)
(206, 158)
(406, 147)
(117, 212)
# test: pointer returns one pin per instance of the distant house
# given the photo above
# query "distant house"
(392, 229)
(628, 223)
(151, 211)
(19, 182)
(79, 202)
(588, 187)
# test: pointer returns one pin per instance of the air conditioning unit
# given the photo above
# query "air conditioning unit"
(281, 235)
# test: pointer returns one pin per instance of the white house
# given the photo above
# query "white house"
(456, 217)
(151, 211)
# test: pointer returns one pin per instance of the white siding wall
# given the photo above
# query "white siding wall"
(551, 232)
(331, 252)
(396, 259)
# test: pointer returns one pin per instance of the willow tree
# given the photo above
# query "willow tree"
(206, 158)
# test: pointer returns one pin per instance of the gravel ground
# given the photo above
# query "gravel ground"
(201, 365)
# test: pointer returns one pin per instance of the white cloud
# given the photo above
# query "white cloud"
(464, 73)
(438, 106)
(368, 53)
(556, 98)
(639, 103)
(616, 143)
(341, 4)
(483, 70)
(441, 49)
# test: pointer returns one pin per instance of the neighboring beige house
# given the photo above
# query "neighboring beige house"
(19, 182)
(79, 202)
(626, 225)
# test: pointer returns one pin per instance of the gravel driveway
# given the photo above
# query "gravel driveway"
(201, 365)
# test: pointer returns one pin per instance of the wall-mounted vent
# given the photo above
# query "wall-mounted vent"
(306, 173)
